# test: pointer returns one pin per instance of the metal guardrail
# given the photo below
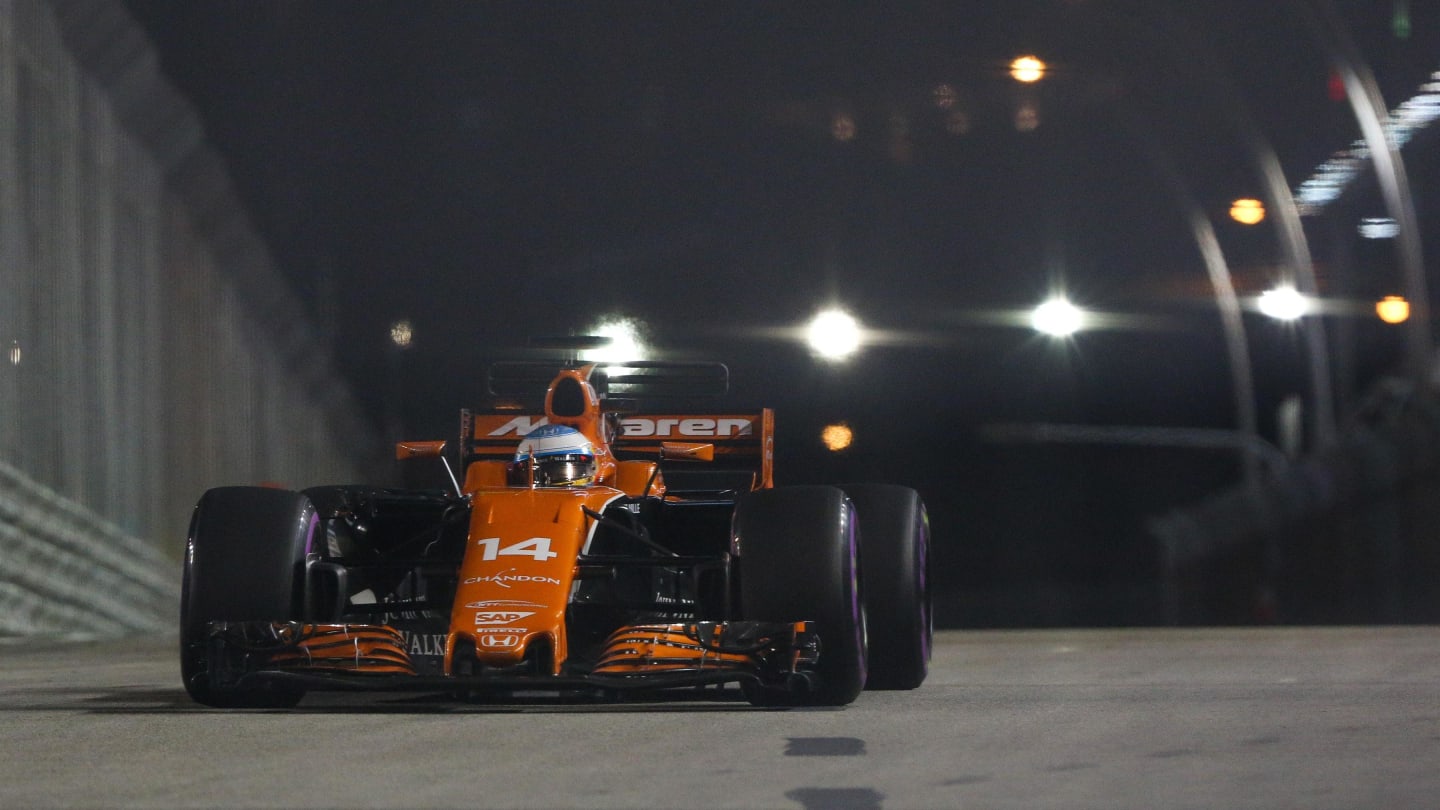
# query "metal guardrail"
(66, 571)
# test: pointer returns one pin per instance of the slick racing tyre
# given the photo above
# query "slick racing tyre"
(244, 561)
(894, 544)
(798, 561)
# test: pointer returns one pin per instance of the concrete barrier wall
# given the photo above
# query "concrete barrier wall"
(1347, 535)
(149, 349)
(64, 570)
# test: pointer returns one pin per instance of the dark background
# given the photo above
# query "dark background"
(496, 170)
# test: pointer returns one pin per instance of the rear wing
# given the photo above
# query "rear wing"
(744, 442)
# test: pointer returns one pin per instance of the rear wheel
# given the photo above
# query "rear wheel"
(894, 544)
(244, 561)
(798, 560)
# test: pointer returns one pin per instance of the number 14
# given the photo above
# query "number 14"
(537, 547)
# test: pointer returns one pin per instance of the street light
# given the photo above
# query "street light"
(1027, 69)
(1393, 309)
(1247, 211)
(837, 437)
(402, 333)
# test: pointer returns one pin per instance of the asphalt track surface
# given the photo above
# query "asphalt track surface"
(1273, 718)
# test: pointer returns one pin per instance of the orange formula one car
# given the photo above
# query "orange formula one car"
(590, 551)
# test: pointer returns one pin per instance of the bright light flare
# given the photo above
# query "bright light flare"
(1393, 309)
(625, 345)
(1247, 211)
(1285, 304)
(1058, 317)
(1027, 69)
(1378, 228)
(834, 334)
(402, 333)
(837, 437)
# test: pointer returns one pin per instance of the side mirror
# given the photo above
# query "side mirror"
(686, 451)
(409, 450)
(404, 450)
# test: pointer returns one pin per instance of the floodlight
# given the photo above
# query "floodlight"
(1058, 317)
(1284, 303)
(625, 342)
(834, 334)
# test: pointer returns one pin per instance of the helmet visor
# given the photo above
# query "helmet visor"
(567, 470)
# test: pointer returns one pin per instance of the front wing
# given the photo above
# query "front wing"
(370, 657)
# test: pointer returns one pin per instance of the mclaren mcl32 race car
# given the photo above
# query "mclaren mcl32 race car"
(585, 550)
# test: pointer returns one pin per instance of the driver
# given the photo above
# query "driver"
(561, 457)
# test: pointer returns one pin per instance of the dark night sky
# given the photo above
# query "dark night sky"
(495, 170)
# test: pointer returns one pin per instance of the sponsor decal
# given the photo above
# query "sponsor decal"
(667, 427)
(484, 618)
(519, 426)
(508, 578)
(498, 641)
(505, 603)
(653, 427)
(424, 643)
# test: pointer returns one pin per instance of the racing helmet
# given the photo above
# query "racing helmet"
(561, 455)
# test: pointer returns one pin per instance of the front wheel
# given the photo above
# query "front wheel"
(798, 561)
(894, 545)
(244, 561)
